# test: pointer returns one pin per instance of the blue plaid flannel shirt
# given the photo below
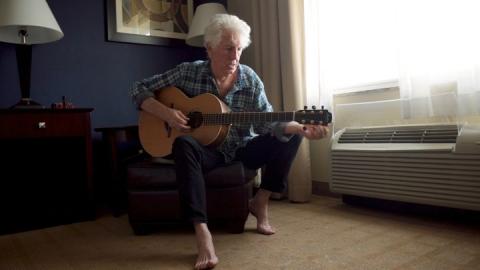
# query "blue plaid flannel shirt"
(195, 78)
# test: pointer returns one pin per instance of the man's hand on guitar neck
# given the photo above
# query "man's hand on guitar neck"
(311, 132)
(314, 132)
(174, 118)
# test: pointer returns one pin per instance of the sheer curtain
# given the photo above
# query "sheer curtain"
(317, 92)
(439, 57)
(431, 48)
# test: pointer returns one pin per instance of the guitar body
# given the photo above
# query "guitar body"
(157, 137)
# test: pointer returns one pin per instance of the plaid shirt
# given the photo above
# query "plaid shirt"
(195, 78)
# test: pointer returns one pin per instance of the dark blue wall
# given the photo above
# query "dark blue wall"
(87, 69)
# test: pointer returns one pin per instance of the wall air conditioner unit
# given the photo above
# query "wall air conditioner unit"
(427, 164)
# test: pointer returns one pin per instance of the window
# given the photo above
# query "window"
(356, 43)
(428, 48)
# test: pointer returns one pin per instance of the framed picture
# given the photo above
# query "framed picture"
(156, 22)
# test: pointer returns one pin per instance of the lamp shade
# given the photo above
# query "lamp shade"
(200, 20)
(34, 17)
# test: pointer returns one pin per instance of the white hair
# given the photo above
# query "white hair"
(221, 22)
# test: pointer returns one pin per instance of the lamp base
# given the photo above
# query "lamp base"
(27, 103)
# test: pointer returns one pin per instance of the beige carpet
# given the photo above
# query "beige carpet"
(322, 234)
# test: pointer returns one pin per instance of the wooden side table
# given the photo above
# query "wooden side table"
(47, 171)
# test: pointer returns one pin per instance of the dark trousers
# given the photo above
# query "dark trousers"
(192, 160)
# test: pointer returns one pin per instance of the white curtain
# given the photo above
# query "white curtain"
(317, 92)
(437, 52)
(439, 57)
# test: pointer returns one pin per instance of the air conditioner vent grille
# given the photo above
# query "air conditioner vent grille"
(432, 134)
(422, 172)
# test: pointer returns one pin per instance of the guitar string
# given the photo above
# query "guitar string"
(246, 117)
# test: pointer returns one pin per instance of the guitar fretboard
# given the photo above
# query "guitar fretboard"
(246, 117)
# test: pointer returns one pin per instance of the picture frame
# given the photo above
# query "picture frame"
(154, 22)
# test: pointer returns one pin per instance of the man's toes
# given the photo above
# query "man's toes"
(267, 230)
(212, 263)
(205, 265)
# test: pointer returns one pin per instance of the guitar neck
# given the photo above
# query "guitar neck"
(246, 117)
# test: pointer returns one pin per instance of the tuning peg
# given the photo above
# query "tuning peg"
(305, 107)
(314, 107)
(322, 107)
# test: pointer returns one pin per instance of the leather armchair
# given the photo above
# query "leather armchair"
(151, 188)
(153, 198)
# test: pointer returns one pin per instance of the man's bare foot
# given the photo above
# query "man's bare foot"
(258, 206)
(206, 252)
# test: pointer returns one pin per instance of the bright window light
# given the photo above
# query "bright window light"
(358, 42)
(351, 43)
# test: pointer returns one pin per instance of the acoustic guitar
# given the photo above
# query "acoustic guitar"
(209, 119)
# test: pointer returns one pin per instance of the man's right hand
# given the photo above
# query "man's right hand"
(175, 118)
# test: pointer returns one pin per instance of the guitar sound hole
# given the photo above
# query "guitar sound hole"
(195, 120)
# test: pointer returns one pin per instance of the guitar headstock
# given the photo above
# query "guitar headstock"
(313, 116)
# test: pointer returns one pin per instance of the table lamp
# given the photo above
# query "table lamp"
(27, 22)
(200, 20)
